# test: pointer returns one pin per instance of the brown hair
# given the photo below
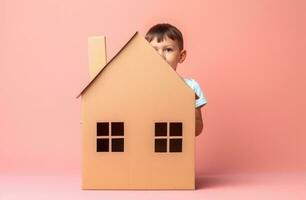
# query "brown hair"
(161, 30)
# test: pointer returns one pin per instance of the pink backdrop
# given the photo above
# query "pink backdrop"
(248, 56)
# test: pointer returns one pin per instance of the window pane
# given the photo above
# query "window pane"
(175, 145)
(160, 145)
(118, 145)
(102, 145)
(176, 129)
(117, 129)
(161, 129)
(102, 129)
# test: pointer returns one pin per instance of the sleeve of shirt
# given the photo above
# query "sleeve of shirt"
(201, 101)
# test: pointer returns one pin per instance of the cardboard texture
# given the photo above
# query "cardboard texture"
(96, 54)
(134, 106)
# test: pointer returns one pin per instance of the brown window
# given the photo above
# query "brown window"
(102, 145)
(160, 145)
(161, 129)
(175, 145)
(168, 137)
(102, 129)
(110, 137)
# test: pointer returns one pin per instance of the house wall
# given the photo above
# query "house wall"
(139, 89)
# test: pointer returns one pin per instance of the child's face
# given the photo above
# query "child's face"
(169, 50)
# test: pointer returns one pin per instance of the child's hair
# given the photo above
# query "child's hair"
(161, 30)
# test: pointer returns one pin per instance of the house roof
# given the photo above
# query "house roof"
(98, 74)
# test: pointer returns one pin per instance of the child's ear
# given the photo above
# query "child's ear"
(183, 56)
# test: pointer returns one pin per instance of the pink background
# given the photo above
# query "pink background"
(248, 56)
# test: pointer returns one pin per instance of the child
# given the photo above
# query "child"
(167, 40)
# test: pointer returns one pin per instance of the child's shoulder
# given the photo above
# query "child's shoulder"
(191, 82)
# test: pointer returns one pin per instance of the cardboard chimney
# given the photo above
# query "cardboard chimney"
(138, 115)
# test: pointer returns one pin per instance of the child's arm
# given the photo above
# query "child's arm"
(199, 103)
(199, 121)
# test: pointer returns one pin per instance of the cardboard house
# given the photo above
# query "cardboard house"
(138, 121)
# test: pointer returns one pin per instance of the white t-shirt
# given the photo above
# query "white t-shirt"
(201, 101)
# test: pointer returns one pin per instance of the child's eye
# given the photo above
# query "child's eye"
(168, 49)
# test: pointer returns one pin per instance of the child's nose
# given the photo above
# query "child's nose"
(161, 53)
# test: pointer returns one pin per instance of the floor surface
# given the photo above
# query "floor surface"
(280, 186)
